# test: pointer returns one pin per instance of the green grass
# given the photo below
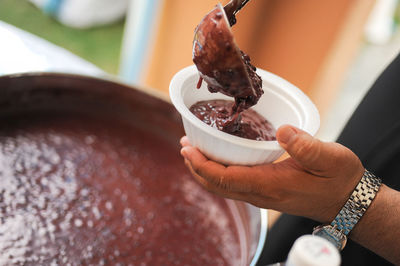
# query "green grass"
(101, 45)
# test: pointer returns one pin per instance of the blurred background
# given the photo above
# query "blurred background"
(332, 50)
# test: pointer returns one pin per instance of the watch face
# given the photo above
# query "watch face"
(337, 238)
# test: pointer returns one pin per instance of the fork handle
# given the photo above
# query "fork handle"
(232, 8)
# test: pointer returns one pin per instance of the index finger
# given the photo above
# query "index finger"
(232, 178)
(184, 141)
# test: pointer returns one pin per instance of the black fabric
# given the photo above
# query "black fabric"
(373, 133)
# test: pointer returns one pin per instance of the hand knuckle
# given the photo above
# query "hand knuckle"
(222, 183)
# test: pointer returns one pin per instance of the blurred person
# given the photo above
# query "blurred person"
(314, 183)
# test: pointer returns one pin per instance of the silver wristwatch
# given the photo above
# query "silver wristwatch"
(352, 211)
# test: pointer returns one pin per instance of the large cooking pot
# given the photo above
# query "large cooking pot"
(90, 173)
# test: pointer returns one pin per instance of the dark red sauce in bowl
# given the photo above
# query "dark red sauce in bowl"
(247, 124)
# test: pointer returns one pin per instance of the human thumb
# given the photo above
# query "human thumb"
(311, 153)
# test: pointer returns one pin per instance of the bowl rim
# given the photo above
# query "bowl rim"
(262, 236)
(311, 123)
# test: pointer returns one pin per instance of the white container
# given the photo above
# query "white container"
(282, 103)
(309, 250)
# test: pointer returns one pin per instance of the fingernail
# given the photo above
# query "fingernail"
(286, 135)
(184, 152)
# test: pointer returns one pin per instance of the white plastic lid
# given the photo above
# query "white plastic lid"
(309, 250)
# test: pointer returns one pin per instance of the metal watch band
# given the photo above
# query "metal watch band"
(358, 203)
(352, 211)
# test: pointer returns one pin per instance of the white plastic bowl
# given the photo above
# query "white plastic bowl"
(282, 103)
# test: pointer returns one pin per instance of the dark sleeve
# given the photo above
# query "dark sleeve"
(373, 133)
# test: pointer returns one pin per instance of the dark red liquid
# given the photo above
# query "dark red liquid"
(234, 83)
(248, 124)
(228, 70)
(222, 65)
(80, 189)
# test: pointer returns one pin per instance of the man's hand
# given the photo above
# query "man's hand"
(314, 182)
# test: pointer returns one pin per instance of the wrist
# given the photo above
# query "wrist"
(339, 194)
(352, 211)
(377, 230)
